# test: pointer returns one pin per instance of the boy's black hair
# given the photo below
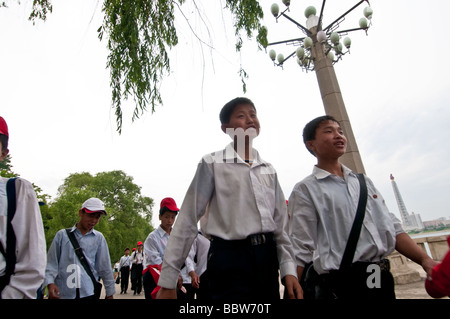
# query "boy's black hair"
(4, 139)
(309, 131)
(228, 108)
(165, 209)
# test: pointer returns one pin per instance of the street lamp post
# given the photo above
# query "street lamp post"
(318, 51)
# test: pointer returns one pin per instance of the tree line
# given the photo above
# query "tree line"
(129, 212)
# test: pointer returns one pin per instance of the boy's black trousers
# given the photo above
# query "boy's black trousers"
(244, 269)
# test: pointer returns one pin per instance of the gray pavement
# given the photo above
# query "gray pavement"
(414, 290)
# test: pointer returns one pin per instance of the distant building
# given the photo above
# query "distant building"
(437, 222)
(409, 221)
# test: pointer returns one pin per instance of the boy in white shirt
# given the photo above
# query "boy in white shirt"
(322, 208)
(23, 249)
(155, 244)
(242, 209)
(124, 268)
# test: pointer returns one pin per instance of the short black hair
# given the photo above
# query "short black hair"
(4, 139)
(309, 131)
(228, 108)
(164, 209)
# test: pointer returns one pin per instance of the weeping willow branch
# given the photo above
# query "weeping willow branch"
(140, 33)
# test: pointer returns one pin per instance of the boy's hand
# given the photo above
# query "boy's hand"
(165, 293)
(292, 287)
(195, 279)
(53, 291)
(428, 264)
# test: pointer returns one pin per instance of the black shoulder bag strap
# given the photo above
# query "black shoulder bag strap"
(10, 253)
(349, 252)
(80, 255)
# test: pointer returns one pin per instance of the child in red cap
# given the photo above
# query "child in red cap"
(155, 245)
(137, 266)
(22, 239)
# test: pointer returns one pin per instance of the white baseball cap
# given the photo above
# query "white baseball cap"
(93, 205)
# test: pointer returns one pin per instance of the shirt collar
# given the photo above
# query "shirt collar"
(161, 232)
(321, 173)
(74, 228)
(230, 154)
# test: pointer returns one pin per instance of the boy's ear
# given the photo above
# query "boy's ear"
(310, 146)
(224, 127)
(3, 154)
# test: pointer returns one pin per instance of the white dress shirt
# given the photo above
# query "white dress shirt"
(233, 200)
(137, 258)
(124, 261)
(322, 208)
(199, 248)
(31, 252)
(154, 247)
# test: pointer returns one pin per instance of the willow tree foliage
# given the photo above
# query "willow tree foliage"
(139, 34)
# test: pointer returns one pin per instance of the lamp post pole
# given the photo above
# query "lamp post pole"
(334, 103)
(321, 59)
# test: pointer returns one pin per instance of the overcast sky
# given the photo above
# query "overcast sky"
(55, 96)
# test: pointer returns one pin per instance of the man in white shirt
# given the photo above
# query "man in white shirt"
(322, 209)
(238, 198)
(24, 274)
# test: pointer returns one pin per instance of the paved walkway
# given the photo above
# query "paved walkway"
(414, 290)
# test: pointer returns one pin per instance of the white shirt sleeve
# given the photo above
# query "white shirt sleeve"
(30, 245)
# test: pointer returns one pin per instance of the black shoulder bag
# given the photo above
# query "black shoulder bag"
(10, 253)
(314, 285)
(84, 263)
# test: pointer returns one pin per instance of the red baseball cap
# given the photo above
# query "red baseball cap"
(3, 127)
(139, 243)
(170, 204)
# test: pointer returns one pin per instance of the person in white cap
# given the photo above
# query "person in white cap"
(65, 276)
(22, 239)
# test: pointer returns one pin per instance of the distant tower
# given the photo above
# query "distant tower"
(408, 221)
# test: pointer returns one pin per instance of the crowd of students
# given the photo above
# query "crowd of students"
(321, 243)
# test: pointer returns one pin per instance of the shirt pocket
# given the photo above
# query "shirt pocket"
(265, 189)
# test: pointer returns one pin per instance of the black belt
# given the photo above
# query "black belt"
(252, 240)
(384, 264)
(361, 266)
